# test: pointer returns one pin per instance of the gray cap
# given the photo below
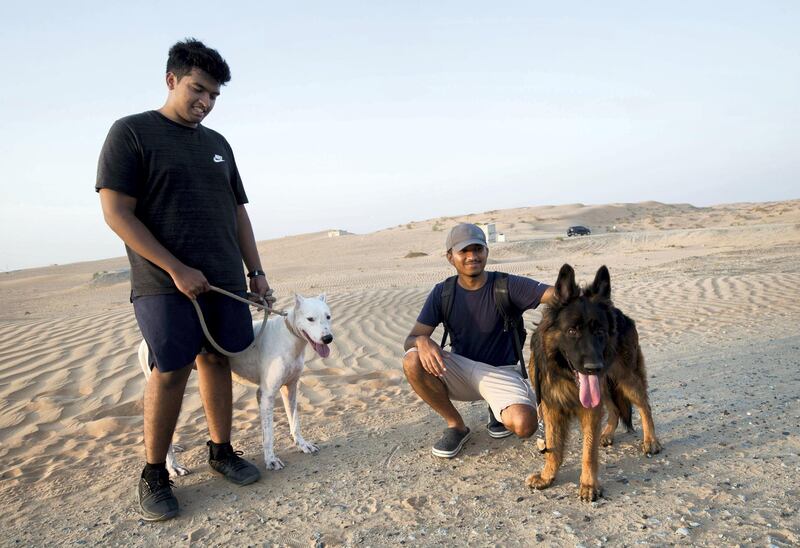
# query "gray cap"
(463, 235)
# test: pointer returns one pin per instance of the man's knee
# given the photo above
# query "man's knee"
(521, 420)
(412, 366)
(208, 359)
(526, 429)
(170, 380)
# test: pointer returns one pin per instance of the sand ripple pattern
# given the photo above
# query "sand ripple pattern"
(67, 385)
(71, 387)
(722, 307)
(365, 365)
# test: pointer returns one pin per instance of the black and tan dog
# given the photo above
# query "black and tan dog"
(583, 353)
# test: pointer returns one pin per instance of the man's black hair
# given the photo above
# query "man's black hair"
(192, 53)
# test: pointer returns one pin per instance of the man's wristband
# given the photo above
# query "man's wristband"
(255, 273)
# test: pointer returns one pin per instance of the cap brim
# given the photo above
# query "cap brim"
(461, 245)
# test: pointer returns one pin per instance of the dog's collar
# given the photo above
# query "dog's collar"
(292, 329)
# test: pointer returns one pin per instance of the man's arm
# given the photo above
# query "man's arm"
(118, 211)
(419, 330)
(247, 245)
(548, 296)
(429, 352)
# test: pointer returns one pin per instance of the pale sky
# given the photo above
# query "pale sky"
(365, 115)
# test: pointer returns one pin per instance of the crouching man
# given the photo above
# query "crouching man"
(482, 362)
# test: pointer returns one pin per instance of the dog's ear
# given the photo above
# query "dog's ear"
(601, 286)
(298, 300)
(566, 288)
(322, 297)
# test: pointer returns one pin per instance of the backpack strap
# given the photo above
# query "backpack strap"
(512, 318)
(448, 295)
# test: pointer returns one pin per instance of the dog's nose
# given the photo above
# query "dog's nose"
(593, 366)
(327, 339)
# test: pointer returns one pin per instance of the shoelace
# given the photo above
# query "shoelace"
(237, 461)
(234, 460)
(159, 490)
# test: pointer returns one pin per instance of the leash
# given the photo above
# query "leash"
(263, 305)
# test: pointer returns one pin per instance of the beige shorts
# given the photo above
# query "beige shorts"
(500, 386)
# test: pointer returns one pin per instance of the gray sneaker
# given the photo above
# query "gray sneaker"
(496, 428)
(450, 443)
(156, 501)
(232, 466)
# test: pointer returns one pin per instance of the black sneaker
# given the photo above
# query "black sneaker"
(450, 443)
(156, 501)
(496, 428)
(230, 464)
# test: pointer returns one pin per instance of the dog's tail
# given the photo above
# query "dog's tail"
(623, 405)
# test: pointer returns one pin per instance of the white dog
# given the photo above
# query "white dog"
(274, 364)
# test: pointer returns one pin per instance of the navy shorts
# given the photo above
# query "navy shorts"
(173, 333)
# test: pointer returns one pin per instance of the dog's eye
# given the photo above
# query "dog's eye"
(327, 317)
(310, 319)
(572, 332)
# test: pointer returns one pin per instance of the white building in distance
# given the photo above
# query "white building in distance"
(489, 231)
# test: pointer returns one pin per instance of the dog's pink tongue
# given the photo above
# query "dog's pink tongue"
(322, 349)
(589, 390)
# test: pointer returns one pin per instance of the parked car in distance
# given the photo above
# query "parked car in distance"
(578, 231)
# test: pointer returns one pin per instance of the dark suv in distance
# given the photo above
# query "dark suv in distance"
(578, 231)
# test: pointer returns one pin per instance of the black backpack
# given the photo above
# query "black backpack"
(512, 317)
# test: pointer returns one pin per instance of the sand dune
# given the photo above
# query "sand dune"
(715, 293)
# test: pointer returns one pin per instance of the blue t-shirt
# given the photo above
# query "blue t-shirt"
(476, 325)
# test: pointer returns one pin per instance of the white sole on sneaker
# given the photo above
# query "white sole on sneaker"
(454, 452)
(499, 435)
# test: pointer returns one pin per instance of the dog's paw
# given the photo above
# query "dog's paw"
(607, 440)
(273, 463)
(178, 470)
(536, 481)
(651, 446)
(589, 493)
(307, 447)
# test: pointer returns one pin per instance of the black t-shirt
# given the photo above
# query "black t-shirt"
(187, 189)
(477, 327)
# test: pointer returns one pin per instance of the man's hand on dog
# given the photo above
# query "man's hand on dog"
(431, 356)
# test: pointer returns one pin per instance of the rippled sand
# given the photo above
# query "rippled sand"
(715, 293)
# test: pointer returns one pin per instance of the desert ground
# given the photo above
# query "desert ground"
(715, 293)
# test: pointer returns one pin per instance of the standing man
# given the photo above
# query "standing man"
(169, 187)
(482, 362)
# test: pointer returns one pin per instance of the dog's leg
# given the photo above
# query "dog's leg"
(289, 394)
(173, 466)
(607, 437)
(590, 427)
(555, 430)
(636, 392)
(266, 406)
(650, 443)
